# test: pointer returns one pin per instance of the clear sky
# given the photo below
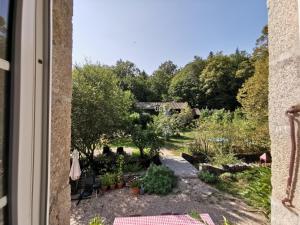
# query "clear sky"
(149, 32)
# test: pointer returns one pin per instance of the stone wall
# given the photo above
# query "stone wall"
(60, 201)
(284, 84)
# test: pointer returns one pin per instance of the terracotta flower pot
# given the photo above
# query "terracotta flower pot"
(120, 184)
(135, 190)
(112, 187)
(104, 188)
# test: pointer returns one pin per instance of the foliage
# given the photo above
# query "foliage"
(253, 96)
(166, 125)
(137, 183)
(253, 185)
(159, 180)
(222, 78)
(221, 158)
(99, 107)
(106, 180)
(223, 132)
(133, 167)
(185, 85)
(145, 138)
(208, 177)
(160, 80)
(184, 118)
(96, 221)
(120, 168)
(200, 146)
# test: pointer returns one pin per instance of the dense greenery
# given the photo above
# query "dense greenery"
(99, 107)
(159, 180)
(230, 90)
(252, 185)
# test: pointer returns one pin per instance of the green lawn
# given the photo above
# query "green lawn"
(176, 144)
(180, 144)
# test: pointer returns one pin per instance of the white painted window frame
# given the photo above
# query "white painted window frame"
(30, 117)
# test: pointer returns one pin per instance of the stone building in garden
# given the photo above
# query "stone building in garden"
(35, 74)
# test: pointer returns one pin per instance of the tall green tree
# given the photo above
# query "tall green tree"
(185, 85)
(99, 107)
(222, 77)
(160, 81)
(253, 96)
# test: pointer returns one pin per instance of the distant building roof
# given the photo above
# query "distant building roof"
(156, 105)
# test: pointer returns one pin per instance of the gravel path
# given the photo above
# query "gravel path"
(190, 195)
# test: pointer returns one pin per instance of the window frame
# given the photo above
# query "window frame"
(30, 118)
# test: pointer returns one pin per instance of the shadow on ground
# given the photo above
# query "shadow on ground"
(190, 195)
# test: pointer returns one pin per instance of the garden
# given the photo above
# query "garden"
(120, 145)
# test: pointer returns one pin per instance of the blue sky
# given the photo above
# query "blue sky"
(149, 32)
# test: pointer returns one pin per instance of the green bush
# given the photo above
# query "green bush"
(105, 180)
(232, 132)
(200, 146)
(159, 180)
(224, 159)
(166, 126)
(136, 183)
(208, 177)
(96, 221)
(133, 167)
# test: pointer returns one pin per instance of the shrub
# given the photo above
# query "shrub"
(137, 183)
(208, 177)
(105, 180)
(96, 221)
(120, 167)
(224, 159)
(145, 138)
(227, 177)
(166, 126)
(159, 180)
(133, 167)
(112, 178)
(200, 146)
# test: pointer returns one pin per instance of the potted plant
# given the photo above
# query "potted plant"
(120, 181)
(120, 164)
(135, 187)
(105, 182)
(112, 181)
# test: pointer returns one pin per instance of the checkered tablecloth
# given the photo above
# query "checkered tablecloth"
(163, 220)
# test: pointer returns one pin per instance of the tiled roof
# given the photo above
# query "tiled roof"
(154, 105)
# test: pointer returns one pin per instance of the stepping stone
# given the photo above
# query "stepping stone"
(180, 166)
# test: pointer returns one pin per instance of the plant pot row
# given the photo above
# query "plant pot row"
(112, 186)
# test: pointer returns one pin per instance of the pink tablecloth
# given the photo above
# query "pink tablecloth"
(163, 220)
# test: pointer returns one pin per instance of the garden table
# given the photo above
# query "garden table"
(163, 220)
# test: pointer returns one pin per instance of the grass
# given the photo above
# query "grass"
(253, 186)
(179, 144)
(122, 142)
(176, 144)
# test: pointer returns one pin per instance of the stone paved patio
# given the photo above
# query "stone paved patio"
(179, 165)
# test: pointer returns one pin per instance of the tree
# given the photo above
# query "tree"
(99, 107)
(253, 96)
(145, 138)
(160, 81)
(185, 85)
(222, 78)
